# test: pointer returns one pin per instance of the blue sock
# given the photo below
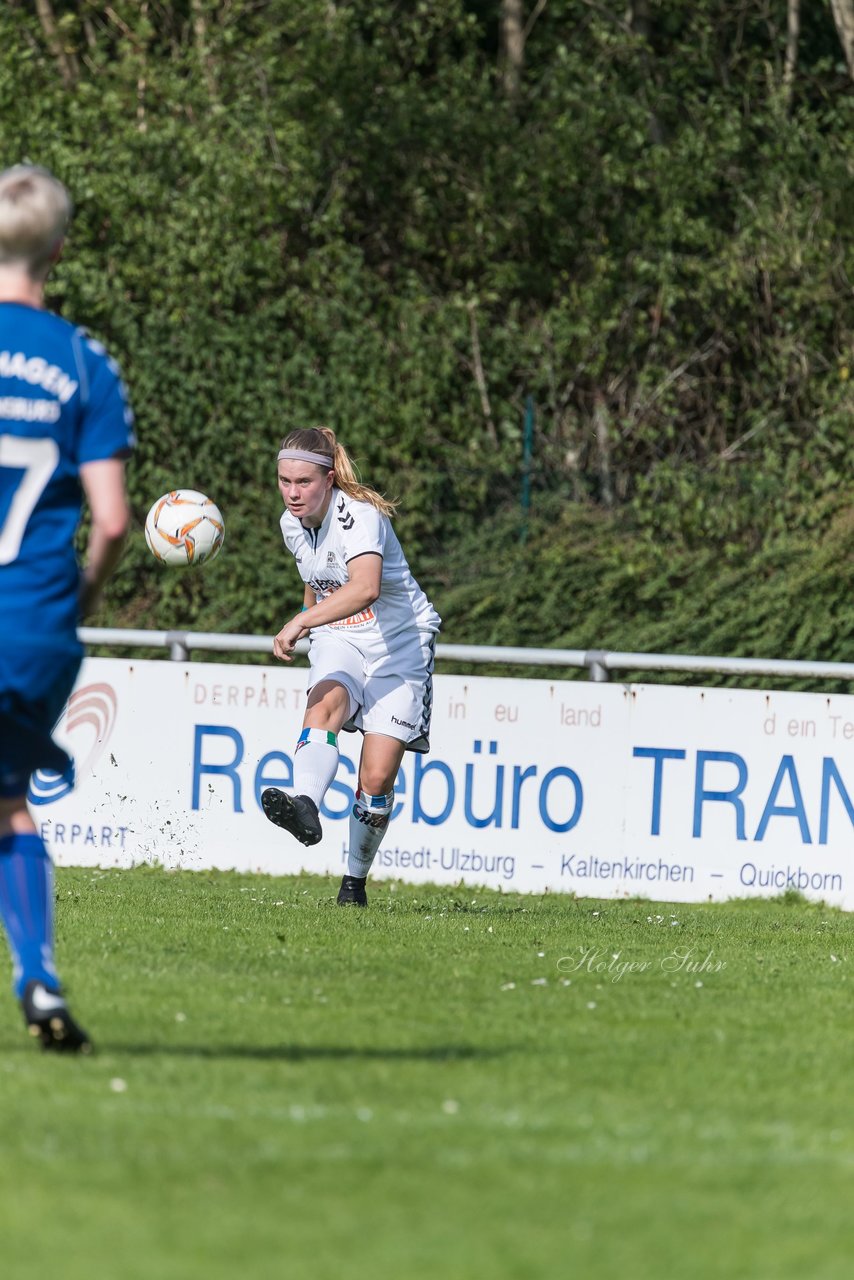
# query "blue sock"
(26, 909)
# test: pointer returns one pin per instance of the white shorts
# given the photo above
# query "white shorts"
(390, 693)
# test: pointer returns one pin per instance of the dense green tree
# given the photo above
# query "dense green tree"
(393, 219)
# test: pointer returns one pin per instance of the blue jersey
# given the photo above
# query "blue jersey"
(62, 404)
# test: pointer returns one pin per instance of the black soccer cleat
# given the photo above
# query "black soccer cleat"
(296, 814)
(48, 1018)
(352, 892)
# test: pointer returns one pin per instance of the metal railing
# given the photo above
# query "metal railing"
(598, 662)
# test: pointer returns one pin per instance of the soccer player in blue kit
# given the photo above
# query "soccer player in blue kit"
(65, 430)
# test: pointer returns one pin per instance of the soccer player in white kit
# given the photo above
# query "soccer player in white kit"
(372, 634)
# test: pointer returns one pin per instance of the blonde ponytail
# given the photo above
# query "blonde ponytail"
(323, 440)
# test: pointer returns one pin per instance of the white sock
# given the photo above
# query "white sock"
(369, 818)
(315, 763)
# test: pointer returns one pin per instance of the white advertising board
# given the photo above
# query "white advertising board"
(602, 790)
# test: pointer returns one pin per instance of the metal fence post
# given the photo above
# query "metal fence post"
(178, 648)
(594, 661)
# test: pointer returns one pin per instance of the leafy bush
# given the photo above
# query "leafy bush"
(293, 214)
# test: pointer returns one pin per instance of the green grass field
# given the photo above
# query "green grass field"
(442, 1086)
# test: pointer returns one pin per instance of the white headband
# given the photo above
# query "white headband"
(304, 455)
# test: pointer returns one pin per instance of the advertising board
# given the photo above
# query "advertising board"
(602, 790)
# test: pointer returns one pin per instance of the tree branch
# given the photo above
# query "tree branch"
(200, 31)
(479, 375)
(65, 59)
(843, 16)
(512, 46)
(793, 32)
(529, 25)
(603, 447)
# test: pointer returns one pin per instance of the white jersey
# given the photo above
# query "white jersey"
(351, 529)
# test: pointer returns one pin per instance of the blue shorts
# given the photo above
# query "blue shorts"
(34, 687)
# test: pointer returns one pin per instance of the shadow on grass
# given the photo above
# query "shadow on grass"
(309, 1053)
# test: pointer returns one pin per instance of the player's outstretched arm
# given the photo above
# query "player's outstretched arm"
(359, 593)
(104, 486)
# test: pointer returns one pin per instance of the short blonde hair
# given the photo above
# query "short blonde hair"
(35, 210)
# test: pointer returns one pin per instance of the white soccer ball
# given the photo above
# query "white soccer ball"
(184, 527)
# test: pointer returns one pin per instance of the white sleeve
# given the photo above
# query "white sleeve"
(287, 532)
(362, 529)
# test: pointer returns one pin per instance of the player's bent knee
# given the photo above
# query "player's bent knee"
(328, 706)
(376, 783)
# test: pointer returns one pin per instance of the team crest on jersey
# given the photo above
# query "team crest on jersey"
(330, 560)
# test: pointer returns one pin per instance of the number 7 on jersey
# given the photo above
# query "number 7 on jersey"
(37, 459)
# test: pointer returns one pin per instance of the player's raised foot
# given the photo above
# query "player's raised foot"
(296, 814)
(352, 892)
(48, 1018)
